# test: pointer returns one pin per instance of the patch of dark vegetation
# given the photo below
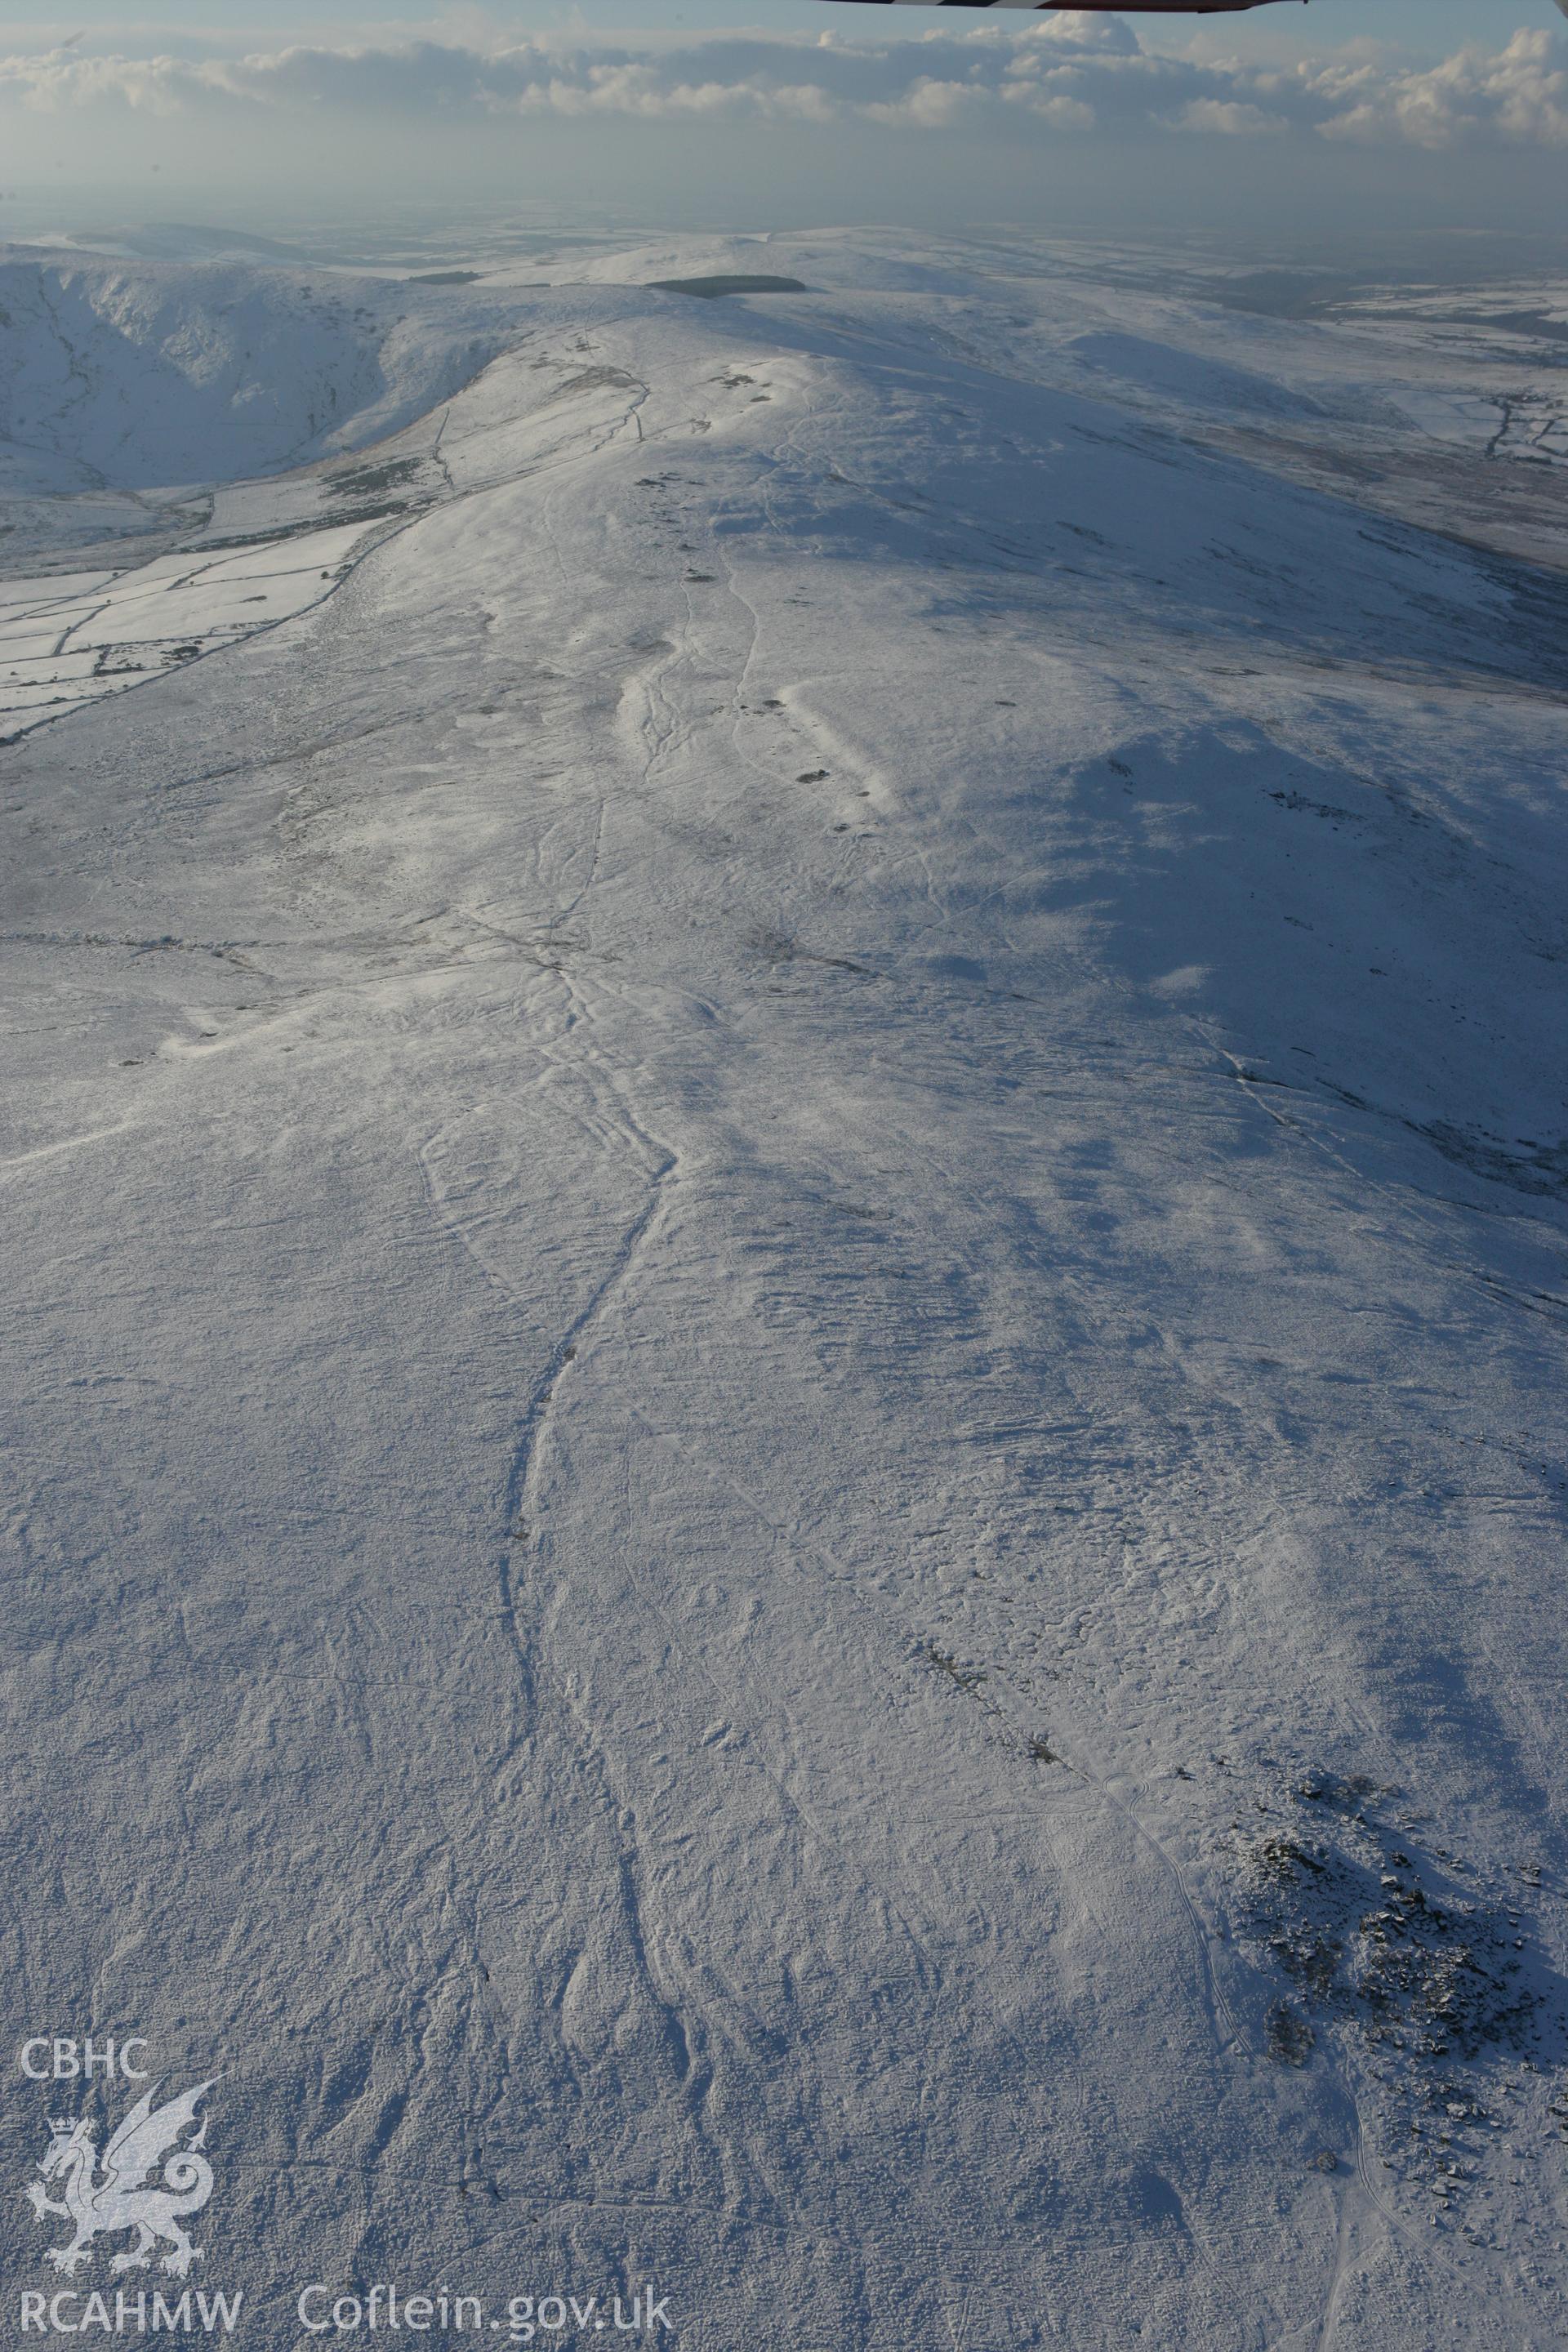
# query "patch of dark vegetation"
(1541, 1168)
(1393, 1949)
(1290, 2037)
(1349, 1797)
(1284, 293)
(372, 481)
(596, 379)
(1530, 1166)
(387, 510)
(705, 289)
(446, 278)
(1293, 800)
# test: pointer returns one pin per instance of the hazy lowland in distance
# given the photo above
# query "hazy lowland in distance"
(784, 1173)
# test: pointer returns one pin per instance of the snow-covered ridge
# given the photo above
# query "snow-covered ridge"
(786, 1190)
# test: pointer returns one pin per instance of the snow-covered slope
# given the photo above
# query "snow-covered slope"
(145, 376)
(786, 1222)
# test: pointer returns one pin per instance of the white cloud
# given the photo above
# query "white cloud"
(1518, 96)
(1229, 118)
(929, 104)
(1068, 75)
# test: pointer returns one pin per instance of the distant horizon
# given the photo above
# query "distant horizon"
(455, 232)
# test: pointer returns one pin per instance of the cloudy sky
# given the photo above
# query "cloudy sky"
(1383, 113)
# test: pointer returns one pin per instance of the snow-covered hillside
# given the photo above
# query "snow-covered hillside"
(128, 385)
(784, 1155)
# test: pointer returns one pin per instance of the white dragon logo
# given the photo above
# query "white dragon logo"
(122, 2198)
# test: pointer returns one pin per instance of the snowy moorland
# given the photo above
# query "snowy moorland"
(785, 1170)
